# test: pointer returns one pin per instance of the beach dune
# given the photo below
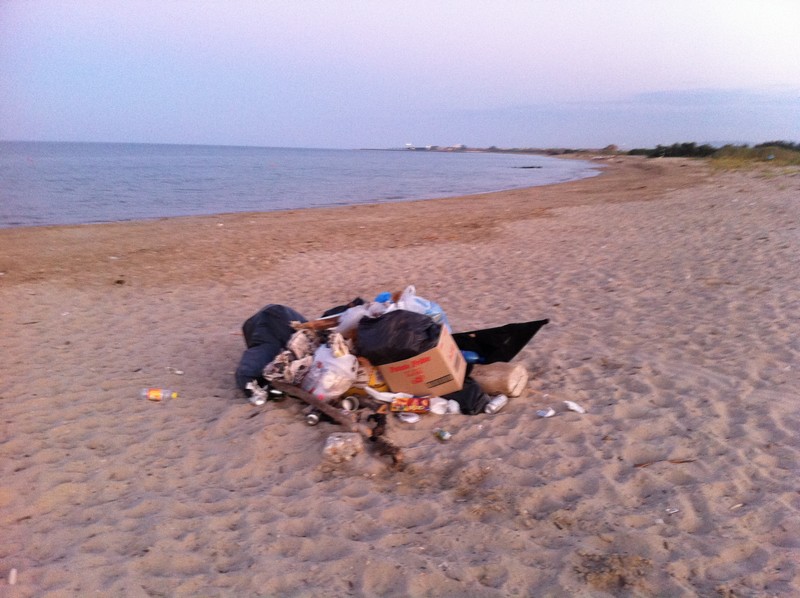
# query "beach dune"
(674, 313)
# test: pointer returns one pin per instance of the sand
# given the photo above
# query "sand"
(674, 307)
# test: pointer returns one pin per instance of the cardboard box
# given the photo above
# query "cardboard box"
(435, 372)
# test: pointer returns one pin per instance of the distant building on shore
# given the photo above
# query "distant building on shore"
(435, 148)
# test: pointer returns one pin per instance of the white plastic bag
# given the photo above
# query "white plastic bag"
(349, 319)
(330, 376)
(386, 397)
(438, 405)
(410, 301)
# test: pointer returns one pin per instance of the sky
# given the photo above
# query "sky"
(372, 73)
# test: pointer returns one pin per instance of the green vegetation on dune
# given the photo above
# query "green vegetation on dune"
(676, 150)
(773, 153)
(742, 156)
(769, 153)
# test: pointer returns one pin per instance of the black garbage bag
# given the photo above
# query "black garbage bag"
(265, 334)
(395, 336)
(498, 344)
(470, 398)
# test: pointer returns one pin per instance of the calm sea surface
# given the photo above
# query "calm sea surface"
(76, 183)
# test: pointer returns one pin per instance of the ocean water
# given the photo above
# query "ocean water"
(77, 183)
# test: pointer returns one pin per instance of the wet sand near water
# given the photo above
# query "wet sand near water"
(674, 313)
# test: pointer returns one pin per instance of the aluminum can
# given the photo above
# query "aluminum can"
(443, 435)
(350, 403)
(496, 404)
(275, 395)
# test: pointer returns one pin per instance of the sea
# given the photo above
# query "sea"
(81, 183)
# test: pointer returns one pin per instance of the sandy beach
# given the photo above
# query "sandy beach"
(674, 305)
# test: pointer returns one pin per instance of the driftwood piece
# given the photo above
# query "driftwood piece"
(320, 324)
(346, 419)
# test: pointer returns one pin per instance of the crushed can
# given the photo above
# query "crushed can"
(442, 434)
(311, 415)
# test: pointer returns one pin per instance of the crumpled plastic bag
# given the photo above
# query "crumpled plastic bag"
(287, 368)
(330, 376)
(410, 301)
(303, 343)
(291, 364)
(471, 398)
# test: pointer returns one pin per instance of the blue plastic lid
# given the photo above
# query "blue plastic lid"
(472, 357)
(383, 298)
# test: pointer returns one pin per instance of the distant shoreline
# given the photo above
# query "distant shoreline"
(446, 149)
(496, 150)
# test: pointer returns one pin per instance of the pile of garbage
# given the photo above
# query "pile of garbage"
(394, 354)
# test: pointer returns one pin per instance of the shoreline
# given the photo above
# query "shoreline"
(674, 317)
(281, 181)
(26, 253)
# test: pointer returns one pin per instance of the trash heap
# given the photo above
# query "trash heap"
(394, 354)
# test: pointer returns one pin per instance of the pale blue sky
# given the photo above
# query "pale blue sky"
(373, 73)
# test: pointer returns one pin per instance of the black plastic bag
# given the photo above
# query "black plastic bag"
(395, 336)
(470, 398)
(266, 334)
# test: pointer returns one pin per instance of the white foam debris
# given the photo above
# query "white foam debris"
(572, 406)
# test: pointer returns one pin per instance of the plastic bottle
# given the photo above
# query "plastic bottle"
(157, 394)
(496, 404)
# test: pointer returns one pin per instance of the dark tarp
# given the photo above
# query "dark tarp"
(501, 343)
(343, 308)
